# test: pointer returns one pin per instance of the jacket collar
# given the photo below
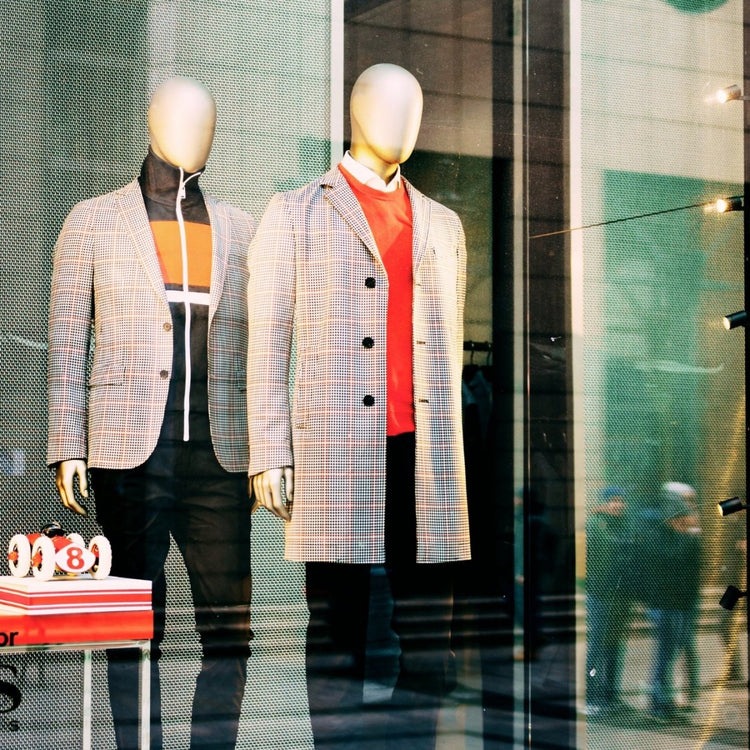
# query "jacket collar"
(336, 190)
(160, 183)
(133, 213)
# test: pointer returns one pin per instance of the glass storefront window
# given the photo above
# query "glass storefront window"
(583, 145)
(659, 384)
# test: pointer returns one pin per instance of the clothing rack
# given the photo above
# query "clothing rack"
(477, 346)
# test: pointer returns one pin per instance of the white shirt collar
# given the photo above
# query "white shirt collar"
(366, 176)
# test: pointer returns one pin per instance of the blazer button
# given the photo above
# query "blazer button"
(167, 326)
(367, 342)
(368, 400)
(370, 282)
(164, 374)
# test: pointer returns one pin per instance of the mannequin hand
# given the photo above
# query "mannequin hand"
(65, 473)
(269, 493)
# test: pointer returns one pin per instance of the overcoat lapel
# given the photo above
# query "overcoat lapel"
(341, 197)
(221, 237)
(420, 212)
(134, 215)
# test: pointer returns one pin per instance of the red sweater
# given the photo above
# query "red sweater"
(390, 219)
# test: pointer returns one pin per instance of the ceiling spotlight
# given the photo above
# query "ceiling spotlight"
(731, 596)
(729, 94)
(735, 320)
(733, 505)
(725, 205)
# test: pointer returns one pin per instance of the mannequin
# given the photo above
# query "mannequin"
(363, 277)
(181, 124)
(385, 110)
(165, 443)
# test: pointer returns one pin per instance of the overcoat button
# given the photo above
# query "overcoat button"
(164, 374)
(167, 326)
(368, 400)
(370, 282)
(367, 342)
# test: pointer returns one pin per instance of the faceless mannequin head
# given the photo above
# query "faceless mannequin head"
(386, 111)
(181, 123)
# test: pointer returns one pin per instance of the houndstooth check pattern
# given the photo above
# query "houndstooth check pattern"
(309, 262)
(107, 282)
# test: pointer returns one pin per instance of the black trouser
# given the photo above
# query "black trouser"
(182, 490)
(338, 597)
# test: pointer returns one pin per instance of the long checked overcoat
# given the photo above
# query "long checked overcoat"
(107, 282)
(317, 390)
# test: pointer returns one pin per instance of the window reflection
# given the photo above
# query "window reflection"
(661, 382)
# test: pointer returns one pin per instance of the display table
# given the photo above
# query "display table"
(85, 632)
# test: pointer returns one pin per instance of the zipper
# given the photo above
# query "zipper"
(181, 193)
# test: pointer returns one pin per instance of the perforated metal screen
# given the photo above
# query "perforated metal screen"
(663, 382)
(75, 80)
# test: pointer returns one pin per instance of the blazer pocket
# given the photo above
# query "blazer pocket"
(443, 269)
(241, 381)
(445, 254)
(237, 382)
(300, 389)
(107, 375)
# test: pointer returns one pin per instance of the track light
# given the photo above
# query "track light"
(725, 205)
(731, 93)
(735, 320)
(731, 596)
(733, 505)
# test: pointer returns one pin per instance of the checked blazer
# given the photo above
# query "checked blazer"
(108, 292)
(317, 395)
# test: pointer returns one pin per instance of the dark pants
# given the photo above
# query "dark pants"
(182, 490)
(338, 597)
(608, 625)
(674, 632)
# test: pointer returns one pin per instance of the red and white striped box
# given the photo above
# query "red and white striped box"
(77, 627)
(66, 595)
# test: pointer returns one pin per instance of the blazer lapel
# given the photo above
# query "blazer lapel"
(221, 237)
(420, 212)
(133, 212)
(341, 197)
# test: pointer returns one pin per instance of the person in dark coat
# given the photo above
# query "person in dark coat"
(672, 594)
(609, 598)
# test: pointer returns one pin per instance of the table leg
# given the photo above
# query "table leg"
(145, 697)
(87, 687)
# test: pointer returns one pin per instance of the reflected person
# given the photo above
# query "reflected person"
(672, 595)
(610, 557)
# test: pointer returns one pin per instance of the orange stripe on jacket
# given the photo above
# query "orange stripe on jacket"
(168, 248)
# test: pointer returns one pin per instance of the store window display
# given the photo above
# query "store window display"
(154, 277)
(357, 284)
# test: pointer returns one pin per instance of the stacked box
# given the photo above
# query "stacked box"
(66, 595)
(74, 610)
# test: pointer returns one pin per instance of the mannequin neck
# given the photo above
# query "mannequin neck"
(161, 180)
(367, 157)
(160, 183)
